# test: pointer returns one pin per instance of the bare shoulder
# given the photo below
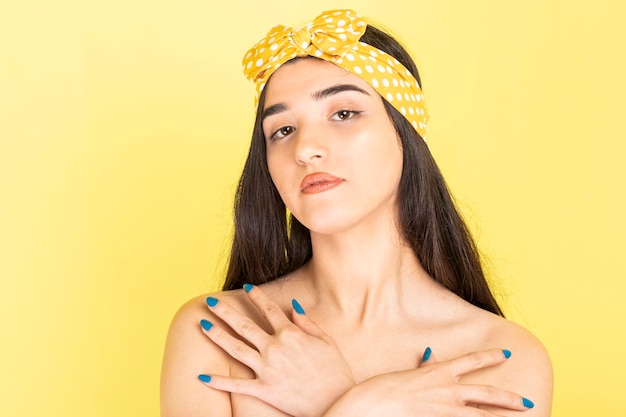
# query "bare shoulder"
(189, 353)
(527, 372)
(513, 336)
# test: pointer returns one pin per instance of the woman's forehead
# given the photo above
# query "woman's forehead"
(305, 76)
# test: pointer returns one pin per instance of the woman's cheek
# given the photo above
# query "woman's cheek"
(279, 180)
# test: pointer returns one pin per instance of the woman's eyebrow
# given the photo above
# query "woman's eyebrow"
(272, 110)
(335, 89)
(319, 95)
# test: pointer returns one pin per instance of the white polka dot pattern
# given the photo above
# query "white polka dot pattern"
(334, 36)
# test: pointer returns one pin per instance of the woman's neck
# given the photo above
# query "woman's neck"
(363, 275)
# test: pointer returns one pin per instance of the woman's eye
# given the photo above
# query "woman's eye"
(344, 114)
(282, 132)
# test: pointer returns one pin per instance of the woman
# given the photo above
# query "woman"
(350, 266)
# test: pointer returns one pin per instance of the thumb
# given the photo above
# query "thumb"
(428, 358)
(304, 322)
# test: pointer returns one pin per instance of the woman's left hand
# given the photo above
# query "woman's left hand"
(296, 351)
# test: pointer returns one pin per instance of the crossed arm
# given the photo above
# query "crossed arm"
(299, 370)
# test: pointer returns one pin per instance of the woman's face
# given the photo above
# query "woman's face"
(332, 150)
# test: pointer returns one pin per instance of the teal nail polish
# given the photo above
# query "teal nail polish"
(296, 306)
(507, 353)
(247, 287)
(204, 378)
(212, 302)
(206, 325)
(527, 403)
(427, 354)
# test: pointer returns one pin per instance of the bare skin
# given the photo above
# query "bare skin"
(371, 309)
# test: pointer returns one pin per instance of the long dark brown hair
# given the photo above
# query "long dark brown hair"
(268, 242)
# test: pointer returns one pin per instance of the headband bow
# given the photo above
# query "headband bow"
(334, 36)
(328, 37)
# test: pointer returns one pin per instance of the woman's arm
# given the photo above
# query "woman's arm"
(529, 370)
(436, 390)
(301, 371)
(186, 355)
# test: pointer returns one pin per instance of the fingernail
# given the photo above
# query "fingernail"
(247, 287)
(212, 302)
(527, 403)
(296, 306)
(206, 325)
(204, 378)
(427, 354)
(507, 353)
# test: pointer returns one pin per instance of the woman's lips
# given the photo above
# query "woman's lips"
(319, 182)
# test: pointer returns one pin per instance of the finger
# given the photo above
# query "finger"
(469, 410)
(270, 310)
(236, 348)
(305, 323)
(487, 395)
(478, 360)
(474, 410)
(236, 385)
(428, 358)
(477, 412)
(242, 325)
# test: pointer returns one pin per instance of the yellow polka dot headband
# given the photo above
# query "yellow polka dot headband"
(334, 36)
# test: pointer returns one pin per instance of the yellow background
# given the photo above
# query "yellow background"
(124, 123)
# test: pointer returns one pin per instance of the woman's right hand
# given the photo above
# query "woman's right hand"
(298, 368)
(432, 390)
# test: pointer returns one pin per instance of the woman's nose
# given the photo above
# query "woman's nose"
(310, 145)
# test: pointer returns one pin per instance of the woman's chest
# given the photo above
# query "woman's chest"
(365, 355)
(382, 352)
(372, 351)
